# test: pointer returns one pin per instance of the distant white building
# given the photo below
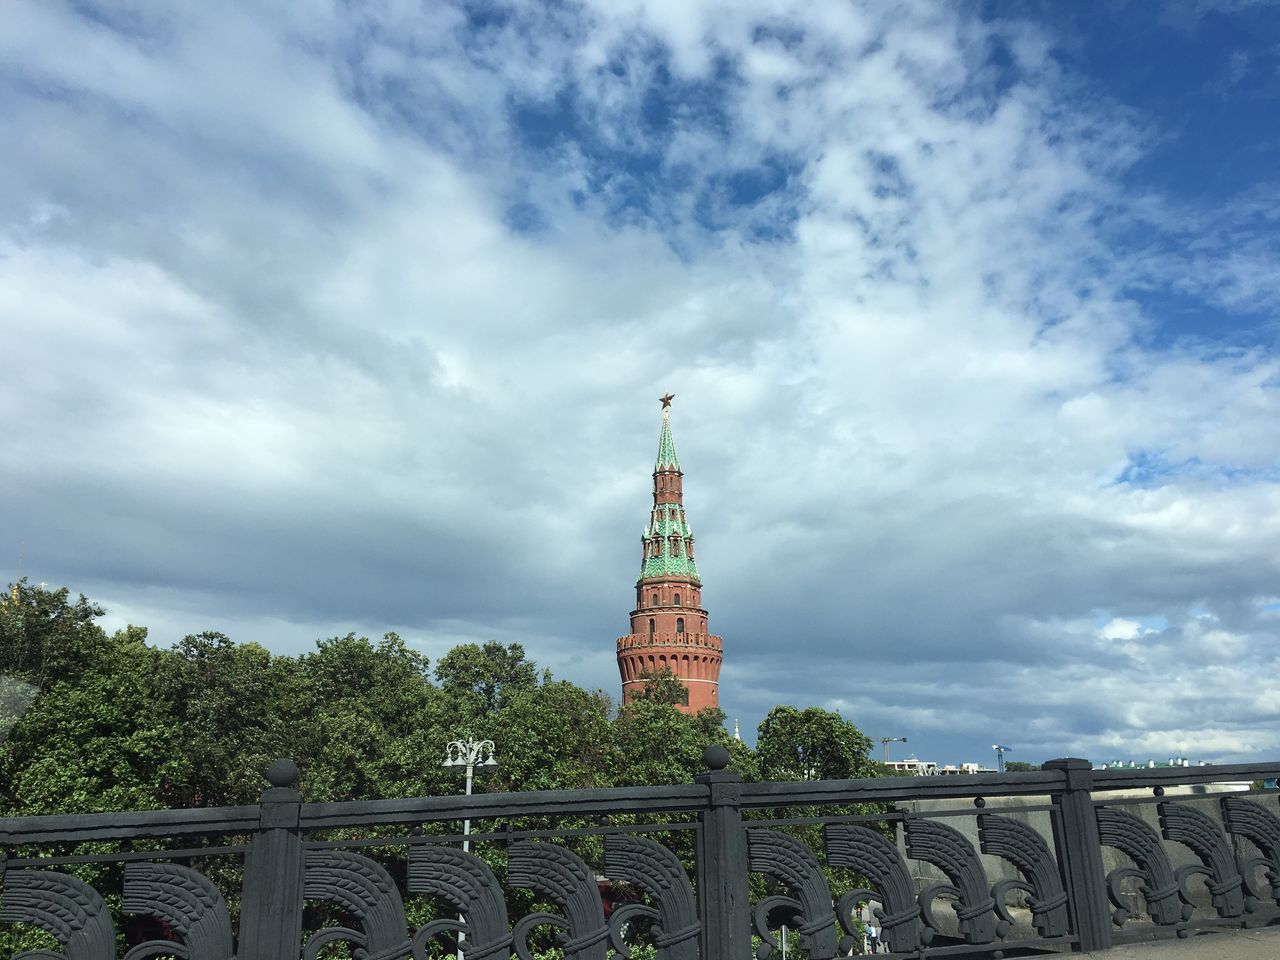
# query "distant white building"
(912, 767)
(1150, 764)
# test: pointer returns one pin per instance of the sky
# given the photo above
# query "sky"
(325, 317)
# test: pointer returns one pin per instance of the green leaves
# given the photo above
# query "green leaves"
(109, 722)
(811, 744)
(45, 638)
(663, 686)
(482, 679)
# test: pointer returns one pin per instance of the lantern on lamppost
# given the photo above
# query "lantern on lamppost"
(470, 754)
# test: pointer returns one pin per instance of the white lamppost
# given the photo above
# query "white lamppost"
(470, 754)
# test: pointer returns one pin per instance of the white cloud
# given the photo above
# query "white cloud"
(1120, 629)
(281, 363)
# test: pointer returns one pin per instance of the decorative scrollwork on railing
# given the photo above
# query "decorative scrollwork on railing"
(466, 883)
(1022, 846)
(871, 854)
(658, 872)
(64, 906)
(364, 888)
(1188, 825)
(620, 921)
(787, 859)
(560, 875)
(772, 913)
(948, 850)
(1243, 818)
(1159, 887)
(188, 902)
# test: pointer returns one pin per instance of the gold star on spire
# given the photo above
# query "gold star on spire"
(666, 399)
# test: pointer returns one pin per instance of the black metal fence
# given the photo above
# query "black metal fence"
(1065, 858)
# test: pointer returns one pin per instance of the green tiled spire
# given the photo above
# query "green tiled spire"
(666, 446)
(668, 544)
(667, 565)
(668, 541)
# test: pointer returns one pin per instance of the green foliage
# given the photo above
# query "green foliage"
(357, 717)
(223, 698)
(99, 732)
(98, 721)
(811, 744)
(481, 679)
(44, 638)
(554, 736)
(663, 686)
(1020, 766)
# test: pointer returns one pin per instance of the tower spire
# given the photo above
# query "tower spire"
(667, 459)
(668, 625)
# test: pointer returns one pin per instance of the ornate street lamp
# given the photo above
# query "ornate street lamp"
(470, 754)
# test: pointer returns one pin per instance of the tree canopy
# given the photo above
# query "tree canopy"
(1020, 766)
(91, 720)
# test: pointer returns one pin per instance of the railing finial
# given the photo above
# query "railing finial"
(715, 757)
(282, 773)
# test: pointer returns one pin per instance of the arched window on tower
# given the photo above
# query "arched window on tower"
(677, 599)
(679, 624)
(651, 625)
(655, 601)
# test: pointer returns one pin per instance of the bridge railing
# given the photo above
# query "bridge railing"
(1063, 858)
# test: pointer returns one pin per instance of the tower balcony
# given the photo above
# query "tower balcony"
(638, 641)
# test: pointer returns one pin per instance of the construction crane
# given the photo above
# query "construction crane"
(1000, 750)
(885, 741)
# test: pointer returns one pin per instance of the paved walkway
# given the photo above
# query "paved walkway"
(1261, 944)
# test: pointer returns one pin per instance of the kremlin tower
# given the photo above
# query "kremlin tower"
(668, 625)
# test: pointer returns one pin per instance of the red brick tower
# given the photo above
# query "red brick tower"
(668, 625)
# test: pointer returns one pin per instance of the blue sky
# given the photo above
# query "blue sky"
(333, 317)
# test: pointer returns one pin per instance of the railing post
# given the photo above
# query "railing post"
(1080, 847)
(723, 894)
(271, 903)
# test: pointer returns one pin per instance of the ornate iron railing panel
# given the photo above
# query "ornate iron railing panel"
(1066, 857)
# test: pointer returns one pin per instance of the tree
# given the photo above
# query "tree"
(100, 721)
(812, 744)
(663, 686)
(1020, 766)
(224, 696)
(44, 638)
(102, 739)
(554, 735)
(362, 719)
(482, 679)
(656, 743)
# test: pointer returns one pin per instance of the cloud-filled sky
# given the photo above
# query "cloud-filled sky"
(319, 317)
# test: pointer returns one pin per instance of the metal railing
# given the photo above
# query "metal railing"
(1065, 858)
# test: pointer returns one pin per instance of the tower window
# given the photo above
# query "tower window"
(677, 599)
(679, 624)
(655, 601)
(651, 625)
